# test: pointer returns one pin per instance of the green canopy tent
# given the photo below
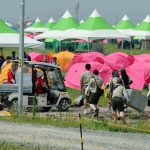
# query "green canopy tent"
(125, 25)
(67, 21)
(37, 26)
(50, 23)
(143, 31)
(10, 38)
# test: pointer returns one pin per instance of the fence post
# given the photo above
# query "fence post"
(81, 131)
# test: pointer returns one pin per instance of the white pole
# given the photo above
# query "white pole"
(21, 56)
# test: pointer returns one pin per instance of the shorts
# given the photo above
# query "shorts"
(83, 92)
(117, 104)
(94, 98)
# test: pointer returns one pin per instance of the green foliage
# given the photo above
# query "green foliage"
(111, 48)
(12, 146)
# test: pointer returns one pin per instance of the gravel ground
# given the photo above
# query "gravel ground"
(69, 138)
(49, 137)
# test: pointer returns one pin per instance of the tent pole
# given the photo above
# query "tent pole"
(122, 44)
(88, 45)
(21, 54)
(131, 44)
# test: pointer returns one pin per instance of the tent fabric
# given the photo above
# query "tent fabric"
(37, 23)
(33, 29)
(63, 59)
(95, 27)
(142, 58)
(118, 60)
(125, 23)
(142, 30)
(72, 78)
(3, 74)
(50, 23)
(38, 57)
(140, 74)
(12, 40)
(66, 22)
(86, 57)
(37, 26)
(4, 28)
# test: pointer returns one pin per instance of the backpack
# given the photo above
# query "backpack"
(99, 91)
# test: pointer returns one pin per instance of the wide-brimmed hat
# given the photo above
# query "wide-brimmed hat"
(39, 74)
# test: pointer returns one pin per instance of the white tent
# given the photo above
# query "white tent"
(36, 27)
(142, 30)
(94, 27)
(12, 40)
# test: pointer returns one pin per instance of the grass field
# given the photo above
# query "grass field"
(108, 48)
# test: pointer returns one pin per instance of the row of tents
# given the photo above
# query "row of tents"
(95, 26)
(137, 66)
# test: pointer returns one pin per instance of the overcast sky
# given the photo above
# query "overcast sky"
(111, 10)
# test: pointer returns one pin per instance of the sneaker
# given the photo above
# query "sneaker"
(96, 112)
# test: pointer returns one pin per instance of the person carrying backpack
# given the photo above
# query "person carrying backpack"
(94, 90)
(117, 100)
(84, 79)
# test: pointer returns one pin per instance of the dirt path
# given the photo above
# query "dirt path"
(70, 137)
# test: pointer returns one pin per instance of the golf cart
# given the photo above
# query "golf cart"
(54, 95)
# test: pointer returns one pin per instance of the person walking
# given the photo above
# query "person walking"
(112, 83)
(126, 79)
(94, 86)
(84, 79)
(117, 101)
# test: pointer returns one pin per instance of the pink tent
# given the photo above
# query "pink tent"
(140, 74)
(142, 58)
(105, 41)
(72, 78)
(118, 60)
(86, 57)
(38, 57)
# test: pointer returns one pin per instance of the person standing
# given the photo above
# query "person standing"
(84, 79)
(94, 87)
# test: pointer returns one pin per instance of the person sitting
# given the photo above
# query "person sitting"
(54, 61)
(11, 74)
(40, 83)
(7, 61)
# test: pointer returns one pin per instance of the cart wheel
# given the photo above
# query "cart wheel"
(46, 108)
(63, 104)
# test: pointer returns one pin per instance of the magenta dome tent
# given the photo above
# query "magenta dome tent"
(38, 57)
(72, 78)
(86, 57)
(140, 74)
(118, 60)
(142, 58)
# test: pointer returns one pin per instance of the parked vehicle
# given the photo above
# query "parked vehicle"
(54, 95)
